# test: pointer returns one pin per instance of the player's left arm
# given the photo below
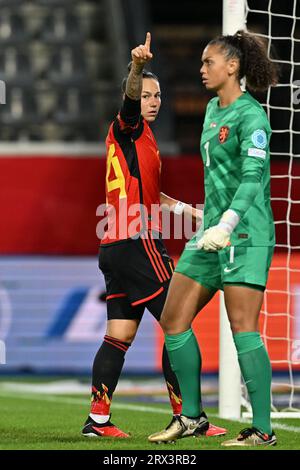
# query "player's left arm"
(254, 139)
(179, 207)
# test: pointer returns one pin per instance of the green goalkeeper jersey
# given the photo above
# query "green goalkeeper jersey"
(235, 151)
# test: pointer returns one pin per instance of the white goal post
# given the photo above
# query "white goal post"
(235, 16)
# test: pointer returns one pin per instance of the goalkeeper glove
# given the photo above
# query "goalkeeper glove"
(218, 236)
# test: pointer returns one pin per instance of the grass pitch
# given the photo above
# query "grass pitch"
(48, 422)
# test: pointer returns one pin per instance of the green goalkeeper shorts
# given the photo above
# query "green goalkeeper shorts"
(232, 265)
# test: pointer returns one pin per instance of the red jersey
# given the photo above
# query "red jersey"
(132, 177)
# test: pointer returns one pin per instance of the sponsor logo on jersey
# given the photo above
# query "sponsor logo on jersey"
(223, 134)
(213, 124)
(259, 138)
(253, 152)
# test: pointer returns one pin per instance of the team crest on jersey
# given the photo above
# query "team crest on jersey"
(223, 134)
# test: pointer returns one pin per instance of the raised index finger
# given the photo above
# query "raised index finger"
(148, 41)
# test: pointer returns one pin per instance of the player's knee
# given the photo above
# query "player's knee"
(172, 326)
(240, 325)
(128, 338)
(125, 337)
(167, 322)
(122, 330)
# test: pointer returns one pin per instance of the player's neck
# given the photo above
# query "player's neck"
(228, 94)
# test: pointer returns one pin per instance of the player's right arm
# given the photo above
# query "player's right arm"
(179, 207)
(140, 56)
(131, 107)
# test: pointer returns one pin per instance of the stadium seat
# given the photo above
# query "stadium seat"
(12, 28)
(77, 115)
(67, 67)
(61, 27)
(104, 67)
(96, 27)
(75, 106)
(83, 132)
(11, 3)
(15, 67)
(57, 3)
(8, 133)
(21, 108)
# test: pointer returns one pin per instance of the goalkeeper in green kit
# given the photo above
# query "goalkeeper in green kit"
(234, 248)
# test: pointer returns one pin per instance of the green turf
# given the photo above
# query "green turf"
(50, 422)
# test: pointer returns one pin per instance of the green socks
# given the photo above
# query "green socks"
(185, 359)
(257, 373)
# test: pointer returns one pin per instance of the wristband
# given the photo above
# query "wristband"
(229, 221)
(179, 208)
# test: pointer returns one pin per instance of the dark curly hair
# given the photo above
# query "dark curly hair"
(255, 65)
(146, 74)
